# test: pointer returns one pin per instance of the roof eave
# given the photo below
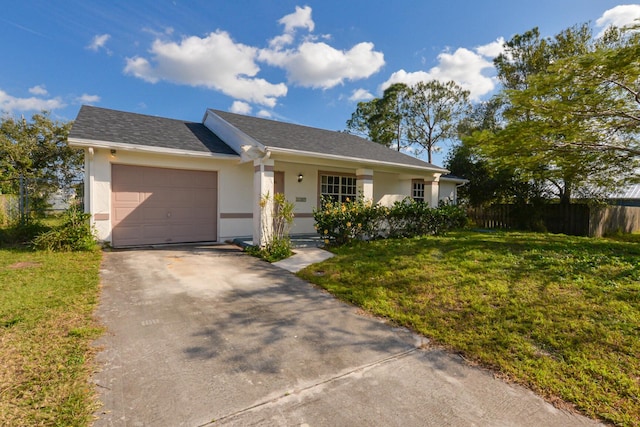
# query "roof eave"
(461, 181)
(312, 154)
(87, 143)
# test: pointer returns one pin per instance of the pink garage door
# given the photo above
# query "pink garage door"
(156, 205)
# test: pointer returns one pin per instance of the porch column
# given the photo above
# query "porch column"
(364, 183)
(432, 192)
(262, 214)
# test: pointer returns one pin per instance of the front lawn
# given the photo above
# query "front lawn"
(558, 314)
(47, 301)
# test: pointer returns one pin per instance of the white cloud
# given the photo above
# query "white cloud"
(467, 68)
(264, 114)
(281, 41)
(99, 42)
(493, 49)
(240, 107)
(301, 18)
(619, 16)
(85, 98)
(10, 103)
(215, 62)
(38, 90)
(319, 65)
(360, 95)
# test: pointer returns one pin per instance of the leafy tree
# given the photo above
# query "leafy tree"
(433, 112)
(420, 116)
(597, 90)
(569, 102)
(489, 182)
(38, 152)
(382, 119)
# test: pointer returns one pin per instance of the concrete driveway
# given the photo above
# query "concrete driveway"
(210, 336)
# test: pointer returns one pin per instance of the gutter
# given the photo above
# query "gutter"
(354, 159)
(91, 143)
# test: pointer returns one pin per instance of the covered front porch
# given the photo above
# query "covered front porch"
(304, 184)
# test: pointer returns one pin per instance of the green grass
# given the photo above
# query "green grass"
(47, 301)
(556, 313)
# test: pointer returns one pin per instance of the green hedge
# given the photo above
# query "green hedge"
(340, 222)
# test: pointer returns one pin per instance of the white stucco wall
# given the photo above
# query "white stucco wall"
(448, 192)
(235, 187)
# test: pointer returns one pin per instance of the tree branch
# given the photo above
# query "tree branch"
(598, 146)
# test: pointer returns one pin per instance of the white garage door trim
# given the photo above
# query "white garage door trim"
(152, 205)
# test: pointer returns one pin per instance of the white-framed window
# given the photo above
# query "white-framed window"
(417, 190)
(338, 187)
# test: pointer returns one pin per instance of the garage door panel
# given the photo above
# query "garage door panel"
(156, 205)
(129, 196)
(152, 214)
(127, 235)
(185, 232)
(126, 213)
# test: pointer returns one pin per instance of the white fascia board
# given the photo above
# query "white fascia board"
(82, 143)
(299, 153)
(455, 180)
(247, 147)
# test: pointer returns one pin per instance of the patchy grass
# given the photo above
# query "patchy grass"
(558, 314)
(46, 330)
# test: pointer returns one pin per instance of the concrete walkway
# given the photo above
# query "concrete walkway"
(209, 336)
(303, 257)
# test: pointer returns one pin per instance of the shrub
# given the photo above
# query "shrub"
(278, 244)
(21, 233)
(341, 222)
(73, 234)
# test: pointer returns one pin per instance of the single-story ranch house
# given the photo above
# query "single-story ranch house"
(152, 180)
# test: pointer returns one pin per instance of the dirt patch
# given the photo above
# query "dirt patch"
(25, 264)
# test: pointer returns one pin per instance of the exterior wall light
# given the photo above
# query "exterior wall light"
(300, 176)
(113, 152)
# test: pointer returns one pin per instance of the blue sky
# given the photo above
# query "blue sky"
(301, 62)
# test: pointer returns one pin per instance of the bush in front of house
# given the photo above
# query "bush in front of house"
(341, 222)
(73, 234)
(278, 244)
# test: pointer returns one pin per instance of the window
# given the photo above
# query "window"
(338, 188)
(417, 190)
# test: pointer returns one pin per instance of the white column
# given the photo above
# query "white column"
(432, 192)
(364, 183)
(262, 212)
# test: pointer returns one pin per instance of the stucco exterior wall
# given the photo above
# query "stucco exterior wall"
(235, 188)
(302, 194)
(447, 192)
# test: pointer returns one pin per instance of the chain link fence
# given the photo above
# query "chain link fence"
(23, 200)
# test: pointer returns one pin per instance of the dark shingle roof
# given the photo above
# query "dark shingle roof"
(101, 124)
(296, 137)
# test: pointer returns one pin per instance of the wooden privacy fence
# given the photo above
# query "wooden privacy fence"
(574, 219)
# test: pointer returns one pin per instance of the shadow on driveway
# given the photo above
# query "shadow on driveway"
(201, 334)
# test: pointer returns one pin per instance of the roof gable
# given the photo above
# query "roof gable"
(101, 124)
